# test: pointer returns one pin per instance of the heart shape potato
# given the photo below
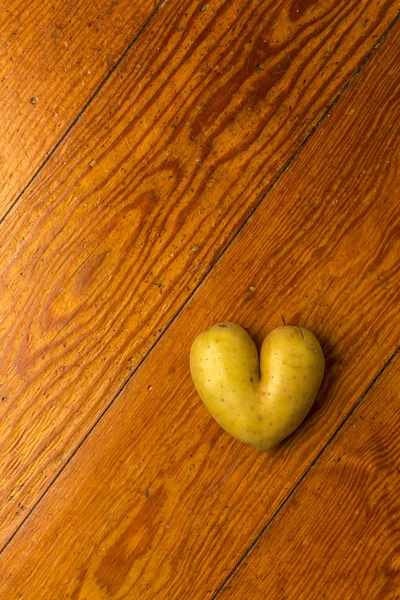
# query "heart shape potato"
(258, 402)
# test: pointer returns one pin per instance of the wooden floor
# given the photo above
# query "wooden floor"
(166, 166)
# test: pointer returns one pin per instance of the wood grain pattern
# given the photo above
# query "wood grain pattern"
(53, 56)
(137, 204)
(338, 535)
(159, 501)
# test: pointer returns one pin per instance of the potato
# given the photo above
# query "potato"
(260, 411)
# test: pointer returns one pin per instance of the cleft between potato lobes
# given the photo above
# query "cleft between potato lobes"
(258, 401)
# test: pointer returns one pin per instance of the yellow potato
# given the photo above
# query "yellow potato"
(260, 411)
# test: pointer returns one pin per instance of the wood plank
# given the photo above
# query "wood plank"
(140, 200)
(53, 57)
(343, 521)
(159, 501)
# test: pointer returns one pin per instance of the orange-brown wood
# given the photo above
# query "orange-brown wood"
(53, 57)
(159, 501)
(141, 198)
(338, 535)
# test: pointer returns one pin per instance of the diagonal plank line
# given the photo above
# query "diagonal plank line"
(303, 477)
(83, 110)
(206, 274)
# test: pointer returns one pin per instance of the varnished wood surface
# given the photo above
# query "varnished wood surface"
(139, 200)
(53, 57)
(338, 535)
(159, 502)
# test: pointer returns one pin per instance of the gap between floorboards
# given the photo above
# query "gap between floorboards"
(83, 110)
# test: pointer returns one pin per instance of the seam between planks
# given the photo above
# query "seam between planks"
(84, 109)
(303, 477)
(286, 166)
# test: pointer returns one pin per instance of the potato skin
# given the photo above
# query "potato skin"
(260, 411)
